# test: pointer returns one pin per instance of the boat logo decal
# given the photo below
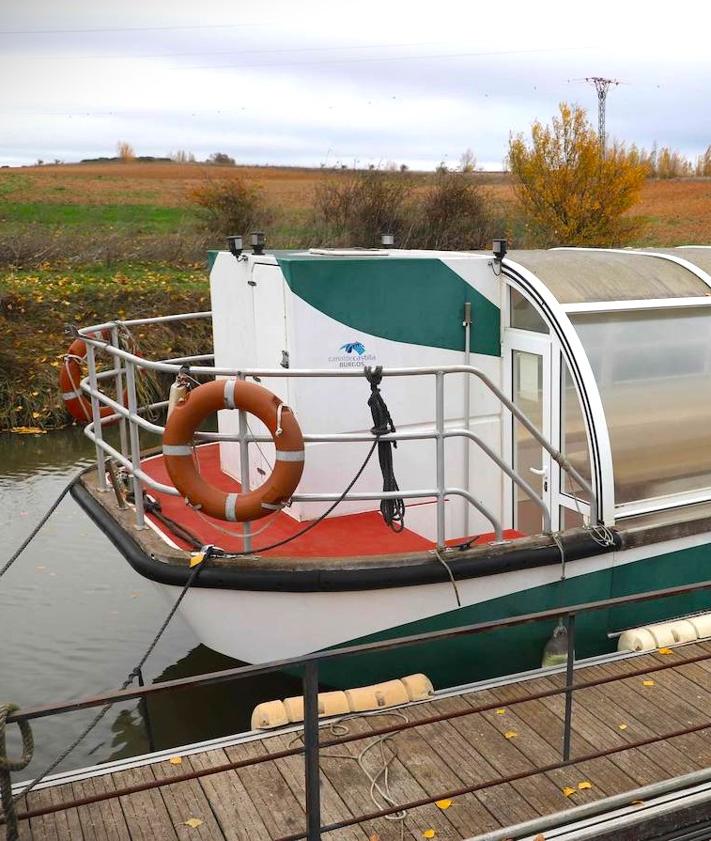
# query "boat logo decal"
(352, 355)
(349, 347)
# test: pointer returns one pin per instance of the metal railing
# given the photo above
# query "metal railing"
(123, 376)
(310, 664)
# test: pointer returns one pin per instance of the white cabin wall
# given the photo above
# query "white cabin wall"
(253, 324)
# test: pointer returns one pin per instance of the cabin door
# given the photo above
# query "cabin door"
(528, 358)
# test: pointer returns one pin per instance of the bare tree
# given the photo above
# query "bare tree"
(125, 151)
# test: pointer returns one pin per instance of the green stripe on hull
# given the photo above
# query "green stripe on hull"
(483, 656)
(420, 302)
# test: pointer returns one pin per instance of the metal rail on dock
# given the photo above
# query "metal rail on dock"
(313, 744)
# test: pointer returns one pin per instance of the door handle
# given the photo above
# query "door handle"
(541, 471)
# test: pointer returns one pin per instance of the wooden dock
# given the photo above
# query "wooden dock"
(265, 802)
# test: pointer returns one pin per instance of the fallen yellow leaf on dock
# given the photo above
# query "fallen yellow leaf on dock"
(664, 651)
(622, 726)
(568, 791)
(648, 683)
(501, 711)
(176, 760)
(510, 734)
(443, 804)
(193, 823)
(429, 833)
(584, 785)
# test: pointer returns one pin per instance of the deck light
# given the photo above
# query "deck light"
(500, 247)
(258, 241)
(235, 245)
(388, 240)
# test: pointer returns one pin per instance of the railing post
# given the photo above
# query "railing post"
(244, 472)
(311, 752)
(569, 677)
(135, 444)
(143, 707)
(439, 427)
(119, 391)
(96, 417)
(467, 324)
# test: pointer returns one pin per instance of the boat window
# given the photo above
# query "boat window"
(573, 436)
(524, 316)
(653, 370)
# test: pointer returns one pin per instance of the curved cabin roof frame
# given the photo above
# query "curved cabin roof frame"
(633, 328)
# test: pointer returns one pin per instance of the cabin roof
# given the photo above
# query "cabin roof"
(586, 276)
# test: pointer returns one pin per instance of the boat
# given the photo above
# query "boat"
(537, 437)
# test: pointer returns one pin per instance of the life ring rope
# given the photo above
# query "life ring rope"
(256, 400)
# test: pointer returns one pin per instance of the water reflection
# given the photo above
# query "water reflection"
(76, 618)
(191, 715)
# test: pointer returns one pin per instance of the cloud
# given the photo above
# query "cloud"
(319, 82)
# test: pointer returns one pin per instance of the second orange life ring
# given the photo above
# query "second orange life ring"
(202, 401)
(70, 377)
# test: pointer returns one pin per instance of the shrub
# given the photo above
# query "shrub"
(454, 214)
(230, 205)
(356, 208)
(569, 190)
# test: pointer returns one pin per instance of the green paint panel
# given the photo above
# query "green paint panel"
(211, 257)
(482, 656)
(420, 302)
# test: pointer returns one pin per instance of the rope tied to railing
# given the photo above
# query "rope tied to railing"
(8, 765)
(392, 509)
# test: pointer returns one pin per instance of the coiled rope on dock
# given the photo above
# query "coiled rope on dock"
(8, 765)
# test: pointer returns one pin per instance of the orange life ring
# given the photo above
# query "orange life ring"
(70, 376)
(202, 401)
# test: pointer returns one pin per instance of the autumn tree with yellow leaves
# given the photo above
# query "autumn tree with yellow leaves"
(571, 193)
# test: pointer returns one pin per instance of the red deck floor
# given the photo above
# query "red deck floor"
(350, 535)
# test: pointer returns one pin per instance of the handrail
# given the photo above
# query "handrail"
(125, 363)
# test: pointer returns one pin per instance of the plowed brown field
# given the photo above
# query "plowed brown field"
(674, 211)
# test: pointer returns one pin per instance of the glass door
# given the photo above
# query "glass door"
(529, 362)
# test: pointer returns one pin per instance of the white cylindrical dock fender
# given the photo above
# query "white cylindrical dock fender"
(664, 634)
(391, 693)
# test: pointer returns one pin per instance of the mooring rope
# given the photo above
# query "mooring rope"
(39, 525)
(7, 765)
(133, 674)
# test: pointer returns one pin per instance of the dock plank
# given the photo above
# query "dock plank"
(506, 758)
(231, 804)
(147, 817)
(56, 826)
(429, 769)
(187, 800)
(103, 821)
(333, 808)
(280, 810)
(502, 801)
(606, 777)
(590, 734)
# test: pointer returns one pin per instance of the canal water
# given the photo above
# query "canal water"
(75, 619)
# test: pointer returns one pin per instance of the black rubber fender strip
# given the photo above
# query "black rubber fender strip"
(508, 558)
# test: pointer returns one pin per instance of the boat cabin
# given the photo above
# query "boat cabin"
(605, 352)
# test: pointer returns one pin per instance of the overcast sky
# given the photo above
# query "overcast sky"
(311, 82)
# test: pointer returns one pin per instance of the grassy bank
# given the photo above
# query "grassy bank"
(35, 306)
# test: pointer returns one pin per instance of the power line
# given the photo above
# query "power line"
(492, 54)
(341, 48)
(132, 28)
